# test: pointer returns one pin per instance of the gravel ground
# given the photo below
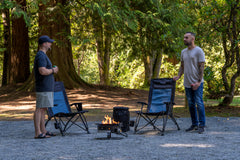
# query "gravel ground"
(220, 141)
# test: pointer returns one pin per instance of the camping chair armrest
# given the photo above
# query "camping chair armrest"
(142, 103)
(77, 105)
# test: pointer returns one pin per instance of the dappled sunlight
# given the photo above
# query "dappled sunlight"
(178, 106)
(16, 107)
(168, 145)
(11, 116)
(97, 106)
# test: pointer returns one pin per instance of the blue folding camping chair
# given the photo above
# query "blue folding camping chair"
(160, 104)
(62, 113)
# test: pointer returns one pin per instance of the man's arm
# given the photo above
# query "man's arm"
(201, 70)
(181, 69)
(180, 72)
(44, 71)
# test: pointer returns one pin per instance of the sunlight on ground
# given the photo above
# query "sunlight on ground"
(97, 102)
(90, 96)
(16, 116)
(17, 107)
(188, 145)
(96, 106)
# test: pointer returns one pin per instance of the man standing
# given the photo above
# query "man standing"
(192, 66)
(44, 83)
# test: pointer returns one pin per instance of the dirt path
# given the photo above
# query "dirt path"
(21, 105)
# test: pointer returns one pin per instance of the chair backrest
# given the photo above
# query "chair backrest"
(161, 90)
(61, 104)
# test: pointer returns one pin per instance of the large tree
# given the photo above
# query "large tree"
(222, 18)
(16, 55)
(109, 18)
(19, 70)
(54, 21)
(103, 35)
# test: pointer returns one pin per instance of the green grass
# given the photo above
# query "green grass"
(215, 102)
(212, 108)
(236, 101)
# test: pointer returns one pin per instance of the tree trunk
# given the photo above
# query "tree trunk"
(148, 70)
(98, 32)
(108, 42)
(103, 42)
(227, 100)
(146, 57)
(20, 69)
(152, 65)
(54, 21)
(157, 64)
(7, 45)
(152, 57)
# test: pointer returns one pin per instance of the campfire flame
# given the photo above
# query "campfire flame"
(109, 120)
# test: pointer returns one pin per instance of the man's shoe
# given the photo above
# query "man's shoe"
(192, 128)
(200, 129)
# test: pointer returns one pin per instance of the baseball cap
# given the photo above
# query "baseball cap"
(44, 39)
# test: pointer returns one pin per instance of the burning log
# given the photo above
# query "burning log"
(109, 120)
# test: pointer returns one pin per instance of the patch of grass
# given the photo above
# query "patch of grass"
(215, 102)
(211, 111)
(211, 108)
(236, 101)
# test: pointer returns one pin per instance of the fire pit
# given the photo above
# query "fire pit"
(110, 126)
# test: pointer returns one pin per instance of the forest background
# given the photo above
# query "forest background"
(121, 43)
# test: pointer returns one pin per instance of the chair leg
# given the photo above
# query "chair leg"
(153, 123)
(84, 121)
(137, 122)
(174, 120)
(58, 125)
(165, 118)
(149, 120)
(73, 121)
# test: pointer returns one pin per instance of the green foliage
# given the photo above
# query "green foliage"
(7, 4)
(125, 72)
(216, 28)
(212, 73)
(89, 68)
(16, 10)
(168, 70)
(139, 28)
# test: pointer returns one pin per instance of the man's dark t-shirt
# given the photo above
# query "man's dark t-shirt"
(44, 83)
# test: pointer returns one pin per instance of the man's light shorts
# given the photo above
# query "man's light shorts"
(44, 99)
